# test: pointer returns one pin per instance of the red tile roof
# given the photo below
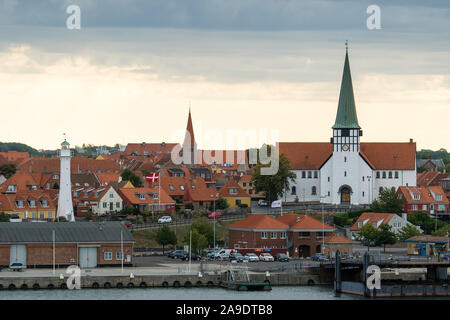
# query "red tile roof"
(431, 178)
(337, 239)
(258, 221)
(372, 217)
(303, 222)
(149, 148)
(83, 164)
(426, 194)
(130, 195)
(379, 155)
(225, 190)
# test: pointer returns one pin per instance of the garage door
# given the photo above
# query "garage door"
(18, 254)
(88, 257)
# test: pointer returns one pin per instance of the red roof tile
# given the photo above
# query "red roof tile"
(258, 221)
(372, 217)
(303, 222)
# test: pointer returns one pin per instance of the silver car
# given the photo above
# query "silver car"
(252, 257)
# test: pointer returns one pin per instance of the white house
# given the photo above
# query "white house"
(377, 219)
(346, 170)
(101, 200)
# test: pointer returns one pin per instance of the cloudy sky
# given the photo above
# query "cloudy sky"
(272, 67)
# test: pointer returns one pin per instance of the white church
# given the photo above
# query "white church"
(346, 170)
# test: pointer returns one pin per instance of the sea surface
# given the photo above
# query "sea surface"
(277, 293)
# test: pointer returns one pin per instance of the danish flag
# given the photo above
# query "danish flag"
(154, 177)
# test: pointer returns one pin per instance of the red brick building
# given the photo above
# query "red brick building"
(298, 235)
(86, 244)
(425, 199)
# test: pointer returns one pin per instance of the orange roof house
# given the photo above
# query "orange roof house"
(147, 199)
(424, 199)
(300, 222)
(234, 194)
(258, 222)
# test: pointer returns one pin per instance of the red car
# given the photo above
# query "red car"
(214, 214)
(126, 223)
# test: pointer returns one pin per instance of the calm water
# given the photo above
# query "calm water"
(277, 293)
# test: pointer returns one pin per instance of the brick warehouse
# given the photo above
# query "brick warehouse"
(86, 244)
(299, 235)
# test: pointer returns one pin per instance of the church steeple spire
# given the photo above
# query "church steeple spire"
(346, 115)
(189, 139)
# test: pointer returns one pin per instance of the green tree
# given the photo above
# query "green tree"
(128, 175)
(221, 204)
(275, 185)
(198, 240)
(165, 236)
(367, 234)
(425, 222)
(442, 232)
(7, 170)
(407, 232)
(204, 227)
(385, 236)
(389, 202)
(4, 217)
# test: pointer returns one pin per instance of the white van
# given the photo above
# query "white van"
(223, 254)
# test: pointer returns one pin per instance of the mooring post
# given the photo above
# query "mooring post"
(365, 266)
(337, 273)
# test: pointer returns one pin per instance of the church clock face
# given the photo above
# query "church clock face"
(345, 147)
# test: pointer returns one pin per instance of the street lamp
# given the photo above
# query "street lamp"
(214, 214)
(370, 187)
(323, 225)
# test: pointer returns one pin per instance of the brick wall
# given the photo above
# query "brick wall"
(66, 254)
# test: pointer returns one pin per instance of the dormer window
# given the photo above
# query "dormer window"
(32, 203)
(140, 196)
(12, 188)
(193, 186)
(233, 191)
(19, 203)
(171, 187)
(416, 196)
(438, 197)
(55, 177)
(181, 187)
(44, 203)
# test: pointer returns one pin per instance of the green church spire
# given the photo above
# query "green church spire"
(346, 115)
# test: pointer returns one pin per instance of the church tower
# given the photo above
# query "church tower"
(346, 144)
(189, 145)
(65, 206)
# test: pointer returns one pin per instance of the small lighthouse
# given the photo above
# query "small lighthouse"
(65, 207)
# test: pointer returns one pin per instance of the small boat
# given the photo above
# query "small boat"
(237, 278)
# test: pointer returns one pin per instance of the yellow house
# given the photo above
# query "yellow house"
(235, 195)
(31, 205)
(246, 183)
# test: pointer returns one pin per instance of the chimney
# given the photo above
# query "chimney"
(410, 140)
(405, 216)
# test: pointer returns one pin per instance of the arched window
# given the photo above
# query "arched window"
(381, 189)
(293, 190)
(314, 191)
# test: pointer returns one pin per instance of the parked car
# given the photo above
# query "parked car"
(211, 255)
(223, 254)
(237, 256)
(177, 254)
(445, 257)
(319, 257)
(214, 214)
(165, 219)
(194, 256)
(252, 257)
(262, 203)
(266, 257)
(281, 257)
(126, 223)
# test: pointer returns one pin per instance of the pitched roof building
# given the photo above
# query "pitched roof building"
(345, 170)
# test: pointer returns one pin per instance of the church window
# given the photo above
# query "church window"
(396, 174)
(345, 159)
(384, 174)
(378, 174)
(303, 174)
(328, 193)
(363, 193)
(390, 174)
(379, 190)
(345, 132)
(293, 190)
(309, 174)
(345, 173)
(314, 191)
(316, 175)
(363, 178)
(328, 179)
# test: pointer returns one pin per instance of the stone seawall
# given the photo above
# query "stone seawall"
(153, 281)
